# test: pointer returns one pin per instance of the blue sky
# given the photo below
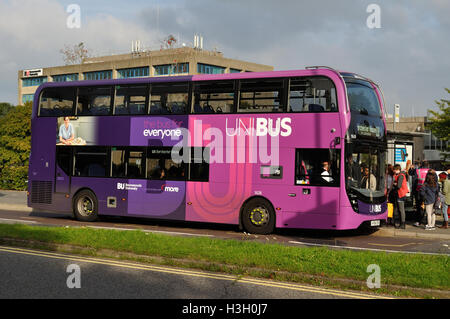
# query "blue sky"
(407, 56)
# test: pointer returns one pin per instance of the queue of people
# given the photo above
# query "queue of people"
(429, 196)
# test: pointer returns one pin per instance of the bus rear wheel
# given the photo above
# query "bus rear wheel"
(258, 217)
(85, 206)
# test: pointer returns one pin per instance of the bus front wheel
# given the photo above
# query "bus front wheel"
(258, 217)
(85, 206)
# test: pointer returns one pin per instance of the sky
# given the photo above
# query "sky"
(408, 56)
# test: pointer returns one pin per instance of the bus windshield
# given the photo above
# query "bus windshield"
(362, 98)
(365, 171)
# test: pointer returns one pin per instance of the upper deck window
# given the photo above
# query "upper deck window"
(57, 101)
(213, 97)
(169, 98)
(312, 94)
(131, 99)
(362, 98)
(261, 96)
(94, 101)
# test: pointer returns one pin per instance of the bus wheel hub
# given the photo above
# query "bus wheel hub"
(259, 216)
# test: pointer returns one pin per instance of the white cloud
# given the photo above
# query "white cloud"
(33, 32)
(408, 56)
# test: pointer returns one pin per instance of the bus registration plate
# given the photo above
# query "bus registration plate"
(374, 223)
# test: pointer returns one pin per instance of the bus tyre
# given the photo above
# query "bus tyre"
(85, 206)
(258, 217)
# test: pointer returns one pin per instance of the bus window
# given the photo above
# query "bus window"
(199, 164)
(317, 167)
(117, 162)
(127, 162)
(94, 101)
(135, 164)
(312, 94)
(213, 97)
(64, 158)
(161, 166)
(169, 98)
(91, 162)
(261, 96)
(57, 101)
(130, 100)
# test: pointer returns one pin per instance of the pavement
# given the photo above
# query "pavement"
(17, 201)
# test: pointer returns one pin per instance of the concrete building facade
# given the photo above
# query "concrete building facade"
(412, 134)
(168, 62)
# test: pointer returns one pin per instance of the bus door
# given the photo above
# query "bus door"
(316, 190)
(62, 170)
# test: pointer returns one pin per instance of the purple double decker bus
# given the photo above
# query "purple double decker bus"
(262, 150)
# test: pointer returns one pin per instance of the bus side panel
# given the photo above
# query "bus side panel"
(220, 199)
(139, 198)
(41, 173)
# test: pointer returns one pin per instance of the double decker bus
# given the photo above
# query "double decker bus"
(263, 150)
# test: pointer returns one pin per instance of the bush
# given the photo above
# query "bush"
(15, 138)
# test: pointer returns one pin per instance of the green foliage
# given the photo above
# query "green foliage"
(440, 124)
(5, 108)
(15, 144)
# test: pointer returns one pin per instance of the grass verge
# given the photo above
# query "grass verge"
(415, 275)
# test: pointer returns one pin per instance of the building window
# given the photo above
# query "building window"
(209, 69)
(171, 69)
(133, 73)
(98, 75)
(27, 98)
(65, 77)
(34, 81)
(235, 71)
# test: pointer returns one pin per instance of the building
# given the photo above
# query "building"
(411, 138)
(168, 62)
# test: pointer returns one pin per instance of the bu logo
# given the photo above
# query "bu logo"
(120, 186)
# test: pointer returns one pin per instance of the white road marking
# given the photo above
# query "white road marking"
(152, 231)
(16, 221)
(362, 248)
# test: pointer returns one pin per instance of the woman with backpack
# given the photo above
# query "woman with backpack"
(430, 194)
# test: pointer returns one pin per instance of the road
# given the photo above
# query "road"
(344, 239)
(27, 273)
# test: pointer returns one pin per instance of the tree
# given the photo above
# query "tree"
(5, 108)
(76, 54)
(15, 145)
(440, 124)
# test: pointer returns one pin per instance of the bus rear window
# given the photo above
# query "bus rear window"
(57, 101)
